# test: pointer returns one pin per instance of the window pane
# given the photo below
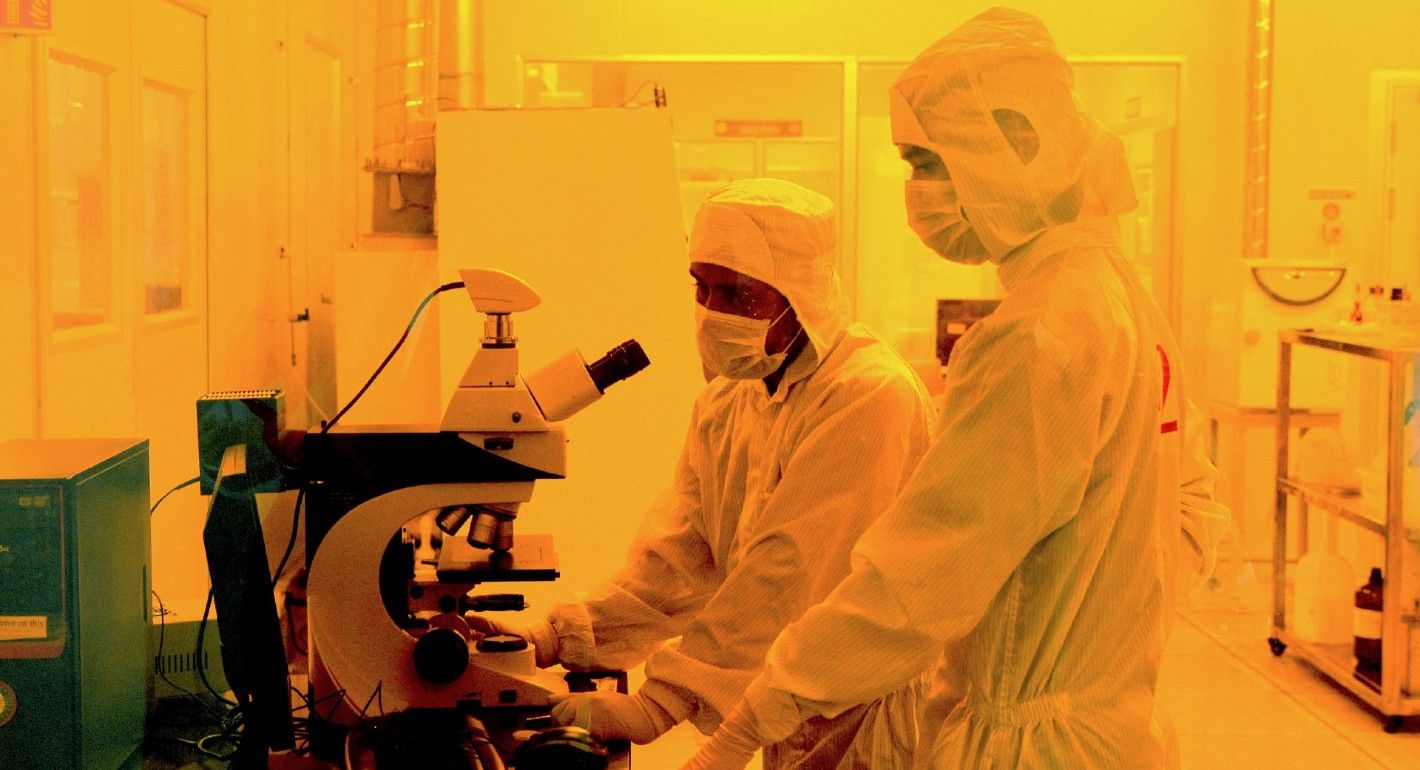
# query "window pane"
(165, 200)
(81, 267)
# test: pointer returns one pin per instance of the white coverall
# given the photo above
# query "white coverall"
(1065, 503)
(770, 492)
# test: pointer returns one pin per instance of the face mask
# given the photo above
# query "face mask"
(733, 346)
(935, 215)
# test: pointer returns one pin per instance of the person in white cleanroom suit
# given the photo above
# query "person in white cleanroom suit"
(1060, 511)
(808, 432)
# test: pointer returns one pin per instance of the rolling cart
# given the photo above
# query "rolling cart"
(1398, 693)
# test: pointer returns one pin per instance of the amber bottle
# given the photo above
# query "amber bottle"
(1366, 625)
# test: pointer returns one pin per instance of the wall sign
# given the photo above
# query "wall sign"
(26, 16)
(765, 128)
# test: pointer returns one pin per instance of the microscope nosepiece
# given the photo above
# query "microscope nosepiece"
(449, 519)
(492, 529)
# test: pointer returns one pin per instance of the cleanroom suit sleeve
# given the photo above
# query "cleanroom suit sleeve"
(1204, 518)
(1031, 403)
(858, 447)
(668, 575)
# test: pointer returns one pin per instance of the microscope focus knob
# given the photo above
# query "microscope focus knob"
(441, 656)
(561, 748)
(502, 643)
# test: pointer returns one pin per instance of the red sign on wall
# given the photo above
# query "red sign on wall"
(769, 128)
(26, 16)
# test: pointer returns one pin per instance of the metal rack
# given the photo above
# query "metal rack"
(1398, 622)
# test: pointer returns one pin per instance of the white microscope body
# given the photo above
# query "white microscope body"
(432, 659)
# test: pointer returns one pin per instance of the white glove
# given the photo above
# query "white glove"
(724, 750)
(613, 716)
(541, 635)
(730, 748)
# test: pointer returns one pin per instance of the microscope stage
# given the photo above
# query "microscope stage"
(532, 559)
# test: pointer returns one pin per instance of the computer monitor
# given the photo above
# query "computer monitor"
(253, 655)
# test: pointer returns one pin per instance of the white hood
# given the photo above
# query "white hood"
(955, 99)
(784, 235)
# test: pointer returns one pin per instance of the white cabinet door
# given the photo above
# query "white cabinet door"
(167, 296)
(85, 276)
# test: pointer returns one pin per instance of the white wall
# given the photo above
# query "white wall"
(608, 268)
(1211, 35)
(248, 194)
(376, 294)
(252, 46)
(105, 384)
(1324, 57)
(17, 245)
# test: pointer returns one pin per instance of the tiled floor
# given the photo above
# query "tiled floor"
(1237, 705)
(1233, 703)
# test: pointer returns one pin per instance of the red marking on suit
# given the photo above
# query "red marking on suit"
(1166, 376)
(1164, 369)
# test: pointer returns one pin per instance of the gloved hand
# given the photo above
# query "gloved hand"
(730, 748)
(541, 635)
(613, 716)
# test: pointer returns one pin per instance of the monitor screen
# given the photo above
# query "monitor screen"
(253, 655)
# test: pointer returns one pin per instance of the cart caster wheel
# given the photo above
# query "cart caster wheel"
(1278, 646)
(1393, 724)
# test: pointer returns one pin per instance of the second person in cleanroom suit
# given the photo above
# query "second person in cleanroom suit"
(805, 435)
(1065, 504)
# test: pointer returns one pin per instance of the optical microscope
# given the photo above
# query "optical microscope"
(405, 521)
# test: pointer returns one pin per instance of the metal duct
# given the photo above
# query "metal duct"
(406, 97)
(428, 56)
(406, 82)
(460, 55)
(1256, 169)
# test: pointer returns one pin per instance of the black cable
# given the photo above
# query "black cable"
(630, 101)
(378, 687)
(231, 721)
(314, 704)
(187, 483)
(198, 745)
(339, 698)
(326, 426)
(198, 657)
(305, 702)
(291, 543)
(226, 721)
(201, 671)
(202, 743)
(301, 726)
(158, 663)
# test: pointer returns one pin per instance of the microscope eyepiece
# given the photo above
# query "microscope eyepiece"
(568, 384)
(619, 363)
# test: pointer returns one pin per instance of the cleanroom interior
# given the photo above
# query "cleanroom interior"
(245, 195)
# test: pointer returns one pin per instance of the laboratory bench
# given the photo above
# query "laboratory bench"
(177, 724)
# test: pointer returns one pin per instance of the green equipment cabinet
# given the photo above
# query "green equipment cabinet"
(74, 609)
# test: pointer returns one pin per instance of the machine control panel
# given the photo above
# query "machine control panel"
(32, 571)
